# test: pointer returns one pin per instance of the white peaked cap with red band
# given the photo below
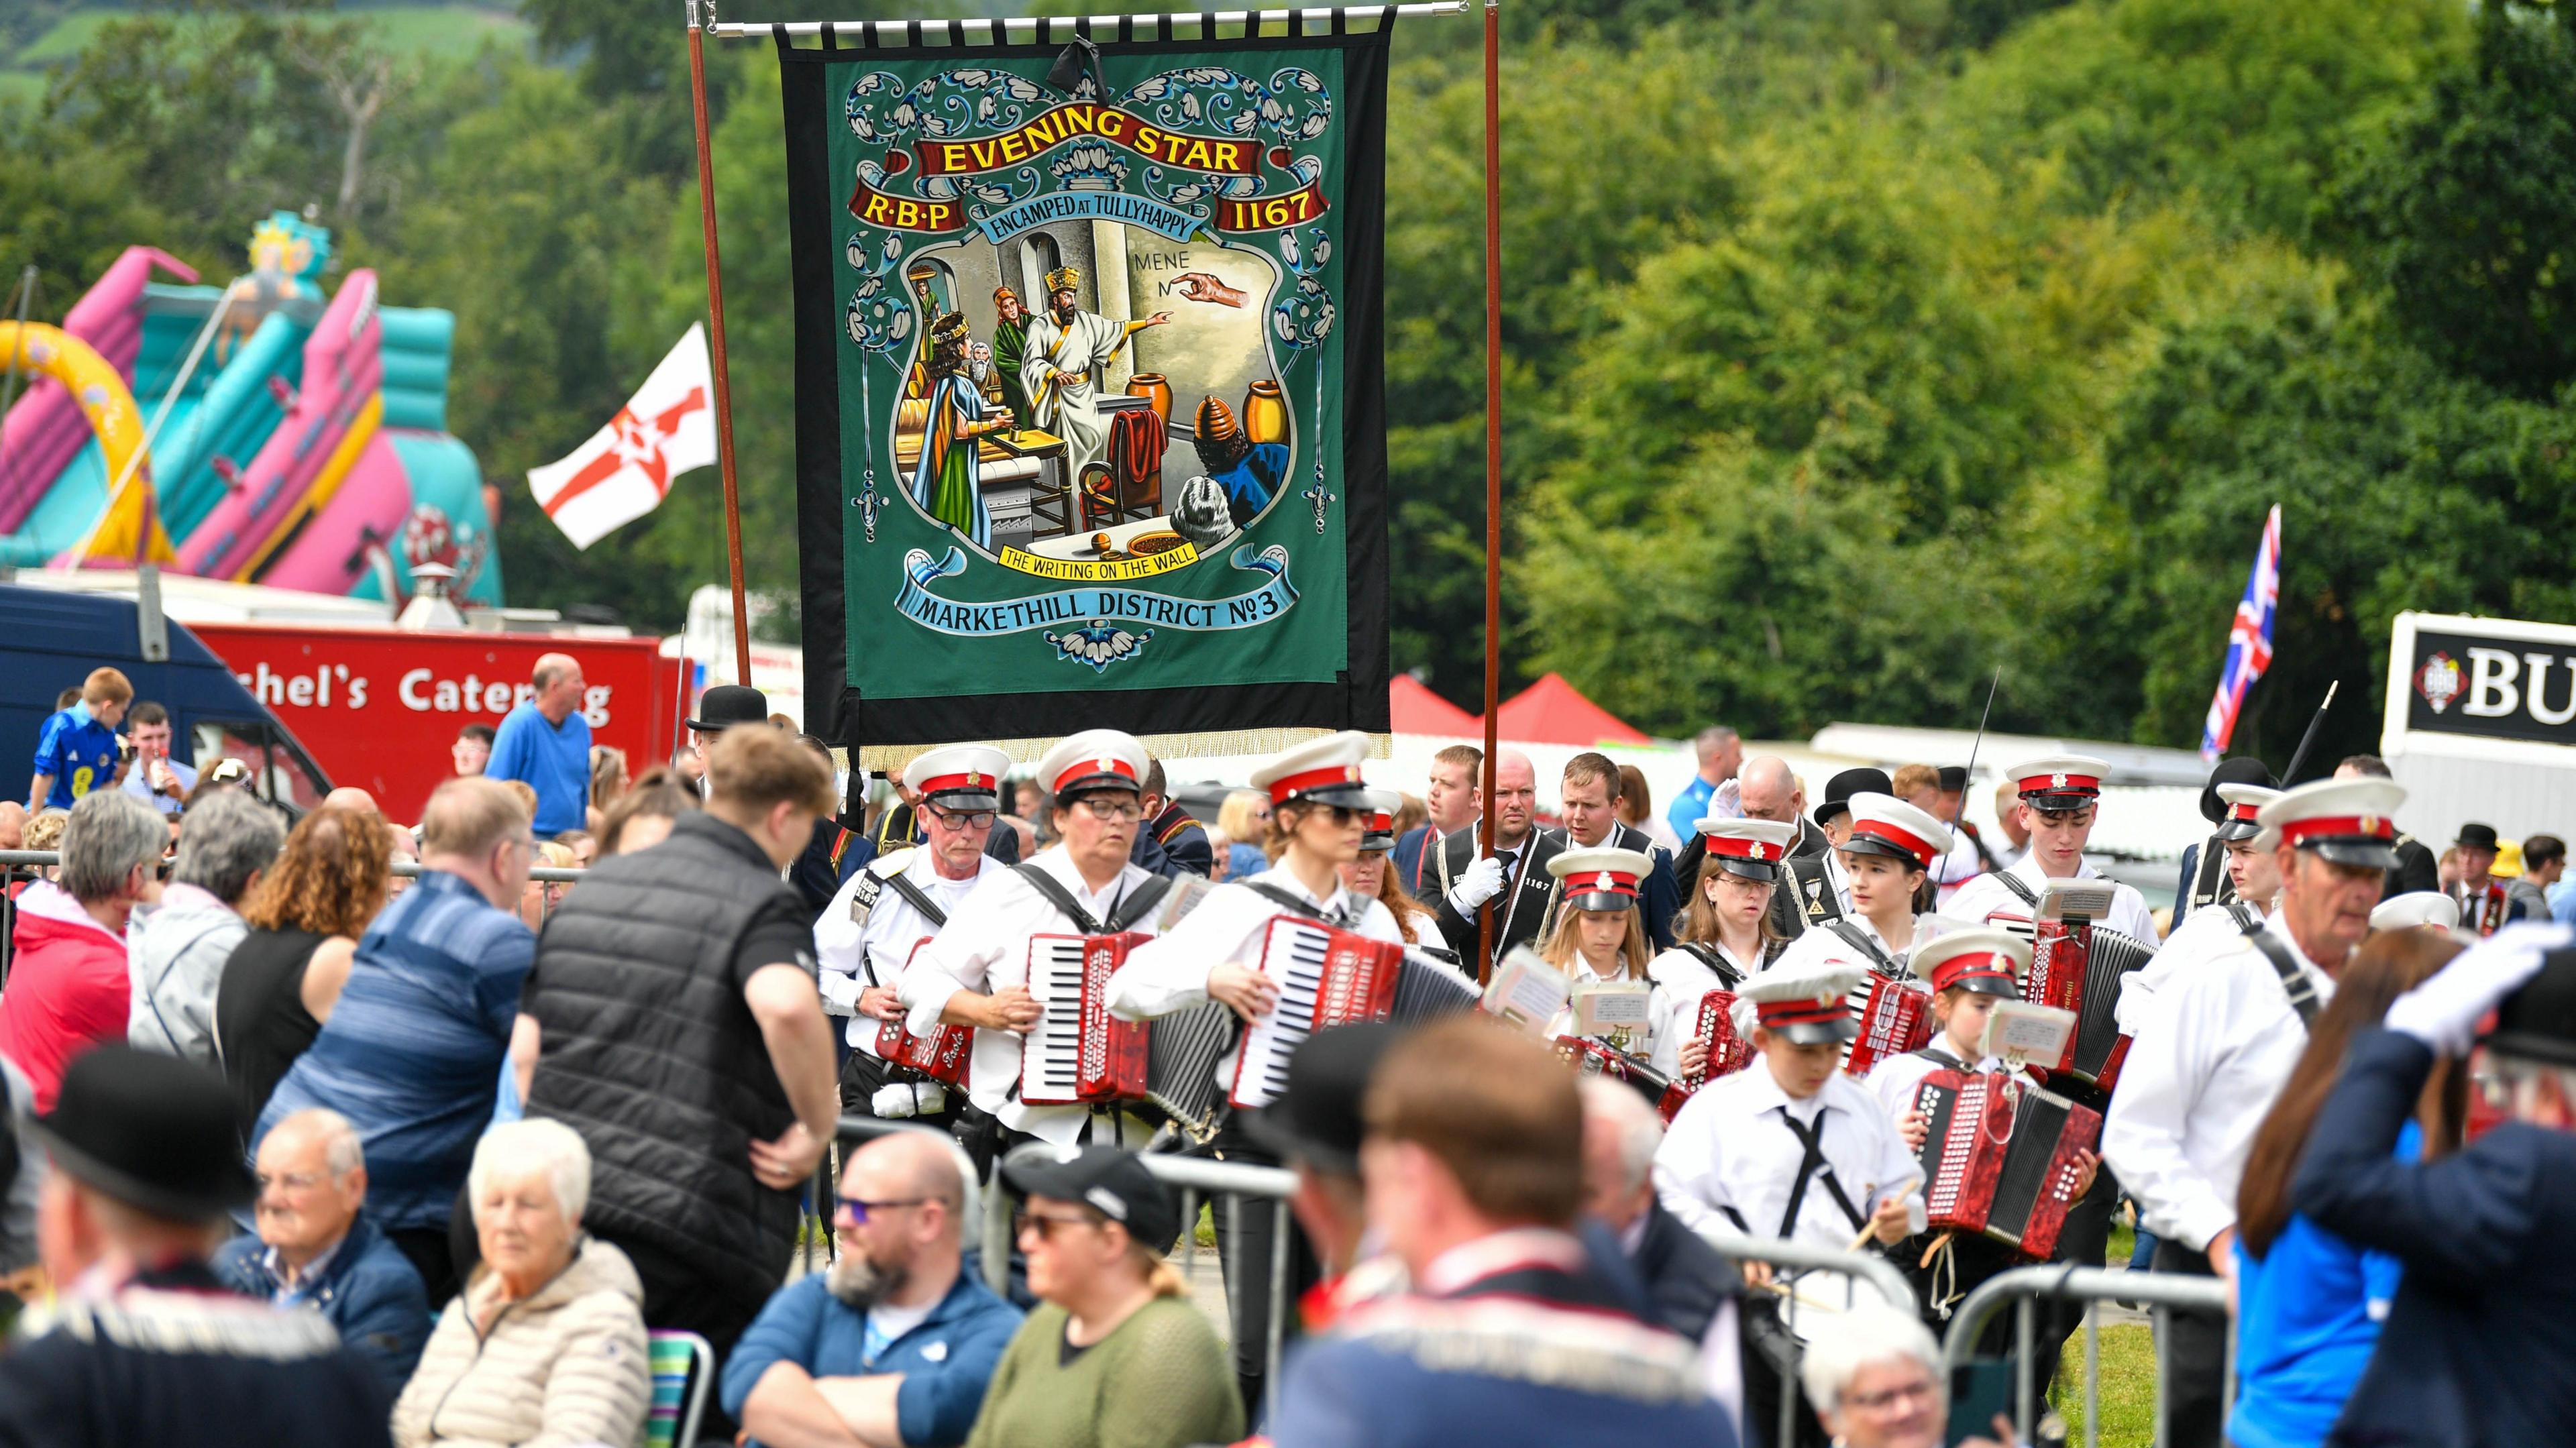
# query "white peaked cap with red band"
(1992, 961)
(1379, 828)
(1882, 824)
(1752, 848)
(2416, 907)
(2059, 781)
(959, 772)
(1093, 759)
(1606, 879)
(2346, 821)
(1806, 1002)
(2244, 809)
(1325, 770)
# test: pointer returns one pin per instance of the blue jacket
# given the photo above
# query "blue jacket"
(368, 1290)
(946, 1359)
(1534, 1354)
(2307, 1318)
(2480, 1348)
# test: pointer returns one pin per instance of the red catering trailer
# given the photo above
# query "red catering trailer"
(379, 707)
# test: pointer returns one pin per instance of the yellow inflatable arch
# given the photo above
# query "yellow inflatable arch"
(131, 529)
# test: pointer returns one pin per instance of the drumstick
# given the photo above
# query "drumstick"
(1867, 1232)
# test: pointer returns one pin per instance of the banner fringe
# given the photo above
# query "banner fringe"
(1219, 744)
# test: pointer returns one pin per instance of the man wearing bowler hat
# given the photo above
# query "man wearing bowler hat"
(1816, 883)
(145, 1345)
(2483, 901)
(2479, 1347)
(720, 708)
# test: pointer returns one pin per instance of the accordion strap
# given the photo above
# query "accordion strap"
(2012, 882)
(1813, 1167)
(1717, 964)
(2294, 981)
(1140, 904)
(1286, 901)
(1061, 898)
(920, 899)
(1852, 936)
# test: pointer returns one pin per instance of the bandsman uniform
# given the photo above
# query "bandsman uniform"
(1171, 975)
(1814, 889)
(985, 945)
(1518, 909)
(2485, 907)
(1659, 894)
(1379, 839)
(2204, 880)
(2210, 1054)
(1684, 975)
(1173, 844)
(2216, 923)
(2055, 784)
(867, 934)
(1601, 881)
(1882, 825)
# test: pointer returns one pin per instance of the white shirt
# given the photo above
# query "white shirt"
(985, 947)
(2210, 1053)
(1893, 1080)
(1730, 1148)
(1171, 973)
(1987, 900)
(1578, 974)
(1681, 981)
(2207, 931)
(1952, 872)
(848, 952)
(1823, 942)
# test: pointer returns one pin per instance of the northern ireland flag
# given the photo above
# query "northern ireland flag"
(626, 468)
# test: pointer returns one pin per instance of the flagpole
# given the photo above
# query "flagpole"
(1493, 454)
(716, 332)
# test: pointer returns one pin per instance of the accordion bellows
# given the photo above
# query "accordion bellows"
(2000, 1157)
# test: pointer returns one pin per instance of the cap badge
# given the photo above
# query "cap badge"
(2057, 780)
(1106, 766)
(973, 779)
(1352, 773)
(2370, 824)
(1754, 851)
(1601, 881)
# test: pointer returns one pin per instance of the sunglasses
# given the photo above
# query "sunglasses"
(1045, 1223)
(857, 1209)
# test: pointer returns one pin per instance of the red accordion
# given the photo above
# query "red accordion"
(1895, 1017)
(1599, 1058)
(2078, 966)
(2000, 1157)
(1326, 978)
(942, 1055)
(1078, 1052)
(1728, 1052)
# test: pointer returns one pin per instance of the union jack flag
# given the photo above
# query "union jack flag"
(2249, 640)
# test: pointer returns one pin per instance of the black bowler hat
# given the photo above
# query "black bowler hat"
(1840, 789)
(726, 705)
(1316, 1118)
(2538, 1022)
(2243, 769)
(1112, 1182)
(1954, 778)
(2477, 837)
(152, 1131)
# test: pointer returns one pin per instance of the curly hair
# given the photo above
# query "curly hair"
(331, 878)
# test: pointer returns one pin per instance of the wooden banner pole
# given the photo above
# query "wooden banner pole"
(1493, 453)
(705, 10)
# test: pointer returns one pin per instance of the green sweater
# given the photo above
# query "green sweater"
(1161, 1380)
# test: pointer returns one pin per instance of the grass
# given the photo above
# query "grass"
(2128, 1387)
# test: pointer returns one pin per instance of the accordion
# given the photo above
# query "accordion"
(1895, 1017)
(1728, 1052)
(941, 1055)
(2000, 1157)
(1597, 1058)
(1326, 978)
(1078, 1052)
(2079, 966)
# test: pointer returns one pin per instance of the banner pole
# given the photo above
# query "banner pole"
(1493, 454)
(716, 332)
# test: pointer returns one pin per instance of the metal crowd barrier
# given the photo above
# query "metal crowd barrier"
(1855, 1268)
(17, 867)
(2164, 1292)
(1194, 1177)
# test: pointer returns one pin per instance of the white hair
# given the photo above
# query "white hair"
(1871, 1333)
(518, 1148)
(1615, 1106)
(342, 1151)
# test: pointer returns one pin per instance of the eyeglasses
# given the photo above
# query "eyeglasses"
(857, 1209)
(1886, 1399)
(950, 819)
(1045, 1223)
(1105, 808)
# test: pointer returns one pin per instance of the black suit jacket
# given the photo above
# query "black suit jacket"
(1517, 910)
(2479, 1350)
(1687, 1279)
(2417, 868)
(1172, 844)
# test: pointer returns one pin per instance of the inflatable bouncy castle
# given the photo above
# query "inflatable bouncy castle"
(261, 431)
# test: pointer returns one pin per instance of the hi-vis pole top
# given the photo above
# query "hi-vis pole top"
(1039, 30)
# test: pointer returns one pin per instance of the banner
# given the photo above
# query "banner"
(1090, 389)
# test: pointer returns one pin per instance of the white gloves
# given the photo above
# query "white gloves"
(2445, 1010)
(1482, 882)
(898, 1101)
